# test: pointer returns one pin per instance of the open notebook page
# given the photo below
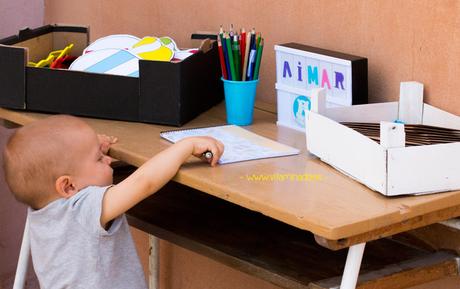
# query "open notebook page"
(240, 144)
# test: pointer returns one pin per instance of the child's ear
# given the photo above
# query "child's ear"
(65, 187)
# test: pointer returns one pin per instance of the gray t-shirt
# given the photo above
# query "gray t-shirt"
(70, 249)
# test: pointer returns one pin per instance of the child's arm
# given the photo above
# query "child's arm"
(154, 174)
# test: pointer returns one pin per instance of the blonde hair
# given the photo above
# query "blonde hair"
(37, 154)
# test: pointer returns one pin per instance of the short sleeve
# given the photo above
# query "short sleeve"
(87, 207)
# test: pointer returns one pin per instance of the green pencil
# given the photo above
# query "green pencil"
(258, 59)
(230, 56)
(236, 57)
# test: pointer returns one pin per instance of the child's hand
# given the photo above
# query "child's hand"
(106, 141)
(204, 144)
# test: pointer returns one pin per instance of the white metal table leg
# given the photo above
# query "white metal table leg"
(352, 265)
(154, 263)
(23, 260)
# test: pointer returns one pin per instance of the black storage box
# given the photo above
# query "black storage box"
(164, 93)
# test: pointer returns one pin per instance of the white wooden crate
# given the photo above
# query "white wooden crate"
(389, 168)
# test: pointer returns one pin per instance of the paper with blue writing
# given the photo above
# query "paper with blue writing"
(240, 144)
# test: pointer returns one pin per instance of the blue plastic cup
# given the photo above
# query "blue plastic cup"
(239, 100)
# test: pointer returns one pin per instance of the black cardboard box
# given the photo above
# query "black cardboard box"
(164, 93)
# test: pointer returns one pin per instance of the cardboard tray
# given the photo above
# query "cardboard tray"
(389, 167)
(164, 93)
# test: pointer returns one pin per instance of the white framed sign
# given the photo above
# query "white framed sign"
(300, 68)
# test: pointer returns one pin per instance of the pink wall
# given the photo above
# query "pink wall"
(17, 14)
(12, 218)
(14, 15)
(403, 40)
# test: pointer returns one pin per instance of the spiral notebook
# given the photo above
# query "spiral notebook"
(240, 144)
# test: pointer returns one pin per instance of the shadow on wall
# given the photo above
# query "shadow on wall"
(12, 219)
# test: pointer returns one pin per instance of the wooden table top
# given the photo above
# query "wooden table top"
(333, 208)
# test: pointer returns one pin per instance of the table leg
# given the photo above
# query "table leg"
(23, 261)
(352, 265)
(154, 263)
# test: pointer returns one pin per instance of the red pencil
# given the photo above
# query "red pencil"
(243, 45)
(221, 57)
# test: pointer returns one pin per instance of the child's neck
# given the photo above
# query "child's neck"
(46, 201)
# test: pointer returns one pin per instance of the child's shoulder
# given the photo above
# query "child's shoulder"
(93, 194)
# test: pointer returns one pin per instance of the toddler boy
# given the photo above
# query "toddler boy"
(78, 232)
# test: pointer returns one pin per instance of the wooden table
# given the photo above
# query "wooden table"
(340, 212)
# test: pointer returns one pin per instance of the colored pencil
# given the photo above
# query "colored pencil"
(246, 56)
(242, 47)
(240, 53)
(252, 56)
(258, 59)
(230, 56)
(236, 57)
(221, 58)
(221, 32)
(227, 63)
(231, 31)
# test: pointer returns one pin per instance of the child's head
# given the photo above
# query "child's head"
(52, 158)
